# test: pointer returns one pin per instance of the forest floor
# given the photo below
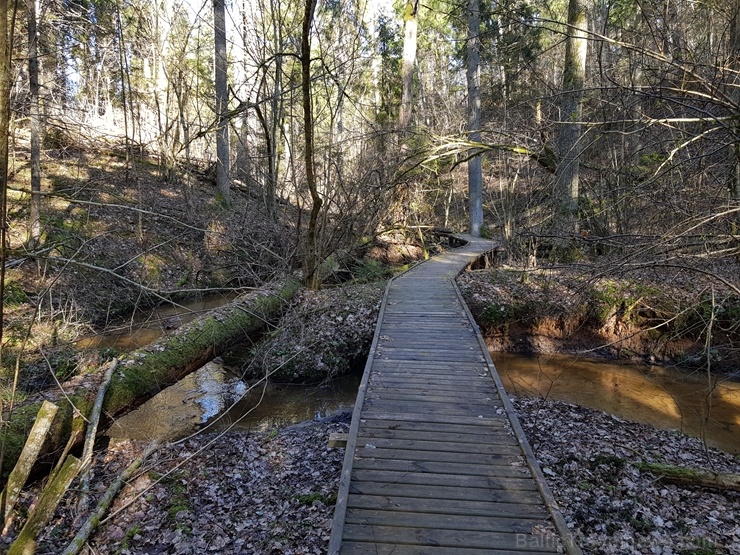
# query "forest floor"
(260, 494)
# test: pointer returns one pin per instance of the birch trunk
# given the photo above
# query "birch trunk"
(475, 170)
(410, 26)
(571, 113)
(27, 459)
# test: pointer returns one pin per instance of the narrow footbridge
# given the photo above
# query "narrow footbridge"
(436, 461)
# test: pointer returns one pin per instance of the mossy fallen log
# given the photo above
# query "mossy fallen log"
(26, 460)
(145, 372)
(25, 543)
(692, 476)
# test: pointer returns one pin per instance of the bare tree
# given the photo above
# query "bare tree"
(475, 174)
(734, 67)
(35, 124)
(7, 24)
(222, 101)
(312, 257)
(410, 25)
(571, 111)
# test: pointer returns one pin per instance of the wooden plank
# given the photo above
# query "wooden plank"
(442, 436)
(461, 430)
(453, 392)
(446, 492)
(504, 455)
(395, 478)
(444, 447)
(420, 342)
(433, 378)
(461, 408)
(459, 355)
(395, 353)
(439, 538)
(436, 338)
(456, 390)
(370, 517)
(364, 548)
(426, 393)
(503, 471)
(430, 393)
(392, 503)
(414, 407)
(427, 418)
(476, 369)
(338, 440)
(411, 370)
(458, 376)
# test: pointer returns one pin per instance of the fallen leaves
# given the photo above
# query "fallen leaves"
(612, 507)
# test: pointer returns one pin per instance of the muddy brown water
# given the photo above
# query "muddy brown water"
(662, 397)
(146, 327)
(207, 399)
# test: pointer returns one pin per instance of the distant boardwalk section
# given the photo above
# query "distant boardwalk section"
(436, 460)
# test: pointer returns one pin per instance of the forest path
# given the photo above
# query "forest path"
(436, 460)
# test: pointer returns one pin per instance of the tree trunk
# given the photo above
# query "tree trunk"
(25, 543)
(27, 459)
(475, 171)
(692, 476)
(222, 102)
(410, 26)
(7, 18)
(734, 51)
(76, 545)
(34, 227)
(313, 256)
(145, 372)
(571, 110)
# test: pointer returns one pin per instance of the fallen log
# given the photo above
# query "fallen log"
(105, 502)
(25, 462)
(25, 543)
(145, 372)
(692, 476)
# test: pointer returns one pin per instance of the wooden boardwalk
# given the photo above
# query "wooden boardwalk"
(436, 460)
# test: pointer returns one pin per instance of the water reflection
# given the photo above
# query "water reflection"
(276, 406)
(662, 397)
(185, 406)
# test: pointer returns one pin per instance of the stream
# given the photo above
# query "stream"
(662, 397)
(215, 397)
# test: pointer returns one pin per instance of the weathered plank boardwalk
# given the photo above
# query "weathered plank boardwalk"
(436, 460)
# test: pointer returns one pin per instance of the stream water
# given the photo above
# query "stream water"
(146, 327)
(662, 397)
(215, 398)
